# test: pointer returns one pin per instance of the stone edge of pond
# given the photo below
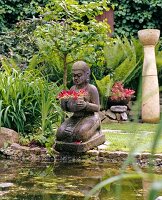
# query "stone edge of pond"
(37, 154)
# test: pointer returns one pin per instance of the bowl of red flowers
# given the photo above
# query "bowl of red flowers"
(69, 98)
(120, 95)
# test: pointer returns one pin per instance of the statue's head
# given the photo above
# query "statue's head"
(81, 72)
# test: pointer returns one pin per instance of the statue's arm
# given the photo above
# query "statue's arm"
(64, 104)
(94, 104)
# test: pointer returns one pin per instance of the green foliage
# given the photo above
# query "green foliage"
(125, 57)
(57, 10)
(28, 102)
(13, 11)
(63, 36)
(70, 33)
(158, 53)
(104, 86)
(89, 1)
(131, 16)
(19, 43)
(38, 139)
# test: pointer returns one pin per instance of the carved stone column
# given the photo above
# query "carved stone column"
(150, 86)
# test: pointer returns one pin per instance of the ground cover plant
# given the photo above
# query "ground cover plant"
(126, 127)
(19, 43)
(122, 137)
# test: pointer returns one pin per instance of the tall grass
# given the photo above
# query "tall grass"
(28, 102)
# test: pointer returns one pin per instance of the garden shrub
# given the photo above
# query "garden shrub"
(28, 101)
(65, 37)
(13, 11)
(131, 16)
(19, 43)
(104, 87)
(124, 60)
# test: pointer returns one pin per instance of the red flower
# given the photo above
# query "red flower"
(118, 92)
(78, 142)
(62, 94)
(82, 93)
(66, 94)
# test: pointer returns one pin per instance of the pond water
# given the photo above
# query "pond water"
(62, 181)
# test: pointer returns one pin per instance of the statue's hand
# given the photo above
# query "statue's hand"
(64, 104)
(81, 104)
(76, 105)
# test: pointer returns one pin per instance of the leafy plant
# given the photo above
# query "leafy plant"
(118, 92)
(19, 43)
(66, 37)
(131, 16)
(104, 86)
(28, 101)
(123, 63)
(13, 11)
(125, 57)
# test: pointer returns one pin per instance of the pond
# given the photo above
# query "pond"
(64, 181)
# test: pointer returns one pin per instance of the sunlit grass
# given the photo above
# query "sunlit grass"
(137, 136)
(131, 126)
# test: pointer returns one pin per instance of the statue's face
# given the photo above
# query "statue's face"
(79, 77)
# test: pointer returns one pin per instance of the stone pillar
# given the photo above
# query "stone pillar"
(150, 86)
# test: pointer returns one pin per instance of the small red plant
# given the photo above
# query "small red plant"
(118, 92)
(78, 142)
(66, 94)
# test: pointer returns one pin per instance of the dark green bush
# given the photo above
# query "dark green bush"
(131, 16)
(13, 11)
(19, 43)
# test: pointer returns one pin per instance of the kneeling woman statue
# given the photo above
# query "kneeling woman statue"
(80, 132)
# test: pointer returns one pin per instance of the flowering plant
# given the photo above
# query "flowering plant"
(118, 92)
(66, 94)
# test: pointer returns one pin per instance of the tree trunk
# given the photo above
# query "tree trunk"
(65, 72)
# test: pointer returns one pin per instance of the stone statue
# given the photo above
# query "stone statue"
(81, 131)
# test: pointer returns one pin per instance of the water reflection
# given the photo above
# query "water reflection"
(63, 181)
